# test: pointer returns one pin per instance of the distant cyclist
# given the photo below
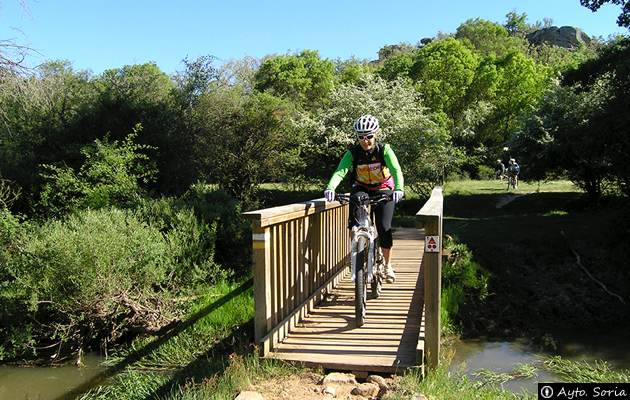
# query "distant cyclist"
(374, 168)
(513, 170)
(500, 173)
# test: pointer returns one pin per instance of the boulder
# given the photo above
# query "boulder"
(566, 36)
(366, 390)
(379, 380)
(339, 378)
(249, 395)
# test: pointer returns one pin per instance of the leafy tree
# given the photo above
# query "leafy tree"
(244, 140)
(612, 67)
(520, 86)
(560, 59)
(134, 94)
(397, 66)
(444, 70)
(239, 72)
(113, 174)
(303, 78)
(41, 119)
(563, 138)
(350, 71)
(488, 38)
(515, 23)
(194, 80)
(624, 17)
(392, 50)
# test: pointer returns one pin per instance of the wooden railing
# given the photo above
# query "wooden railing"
(299, 251)
(430, 215)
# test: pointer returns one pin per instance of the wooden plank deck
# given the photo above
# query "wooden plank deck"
(388, 340)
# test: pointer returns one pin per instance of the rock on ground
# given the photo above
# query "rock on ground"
(249, 395)
(339, 378)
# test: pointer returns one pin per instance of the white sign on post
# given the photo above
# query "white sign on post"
(432, 244)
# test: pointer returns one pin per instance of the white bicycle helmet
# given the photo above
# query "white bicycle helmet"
(366, 124)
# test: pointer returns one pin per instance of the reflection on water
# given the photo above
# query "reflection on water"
(613, 346)
(502, 357)
(43, 383)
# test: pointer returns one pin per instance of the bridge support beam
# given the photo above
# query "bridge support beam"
(262, 285)
(431, 217)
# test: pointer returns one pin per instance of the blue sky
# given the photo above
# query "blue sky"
(98, 34)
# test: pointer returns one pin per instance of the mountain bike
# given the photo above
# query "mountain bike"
(511, 183)
(368, 267)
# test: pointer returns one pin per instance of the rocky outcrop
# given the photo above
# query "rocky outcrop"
(566, 36)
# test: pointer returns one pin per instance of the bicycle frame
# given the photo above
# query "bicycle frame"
(360, 234)
(364, 237)
(511, 181)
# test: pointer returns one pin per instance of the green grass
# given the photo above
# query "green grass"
(581, 371)
(189, 355)
(470, 187)
(447, 385)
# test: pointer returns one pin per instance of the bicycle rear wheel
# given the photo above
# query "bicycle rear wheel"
(360, 287)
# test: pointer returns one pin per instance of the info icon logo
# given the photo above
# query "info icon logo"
(546, 392)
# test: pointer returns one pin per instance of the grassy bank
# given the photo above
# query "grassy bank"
(187, 356)
(553, 260)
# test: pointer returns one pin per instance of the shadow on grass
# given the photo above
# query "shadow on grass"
(162, 338)
(213, 361)
(485, 205)
(535, 282)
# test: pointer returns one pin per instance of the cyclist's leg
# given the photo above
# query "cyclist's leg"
(352, 216)
(384, 214)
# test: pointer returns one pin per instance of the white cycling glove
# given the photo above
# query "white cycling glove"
(329, 195)
(398, 195)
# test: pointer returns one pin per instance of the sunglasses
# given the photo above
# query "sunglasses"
(363, 137)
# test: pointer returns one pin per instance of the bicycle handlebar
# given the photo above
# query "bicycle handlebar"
(344, 198)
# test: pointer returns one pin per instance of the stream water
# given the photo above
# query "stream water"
(47, 383)
(470, 356)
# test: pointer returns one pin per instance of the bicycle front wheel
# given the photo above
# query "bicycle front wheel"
(360, 287)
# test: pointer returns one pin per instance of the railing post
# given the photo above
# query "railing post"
(431, 216)
(262, 284)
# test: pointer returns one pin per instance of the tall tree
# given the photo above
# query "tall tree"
(488, 38)
(303, 78)
(516, 23)
(444, 71)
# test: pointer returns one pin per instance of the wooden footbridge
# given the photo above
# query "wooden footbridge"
(304, 297)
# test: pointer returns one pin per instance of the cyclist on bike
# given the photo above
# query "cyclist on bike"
(374, 168)
(513, 171)
(500, 173)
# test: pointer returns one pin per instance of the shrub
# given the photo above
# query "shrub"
(112, 175)
(463, 281)
(485, 172)
(206, 230)
(87, 280)
(233, 232)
